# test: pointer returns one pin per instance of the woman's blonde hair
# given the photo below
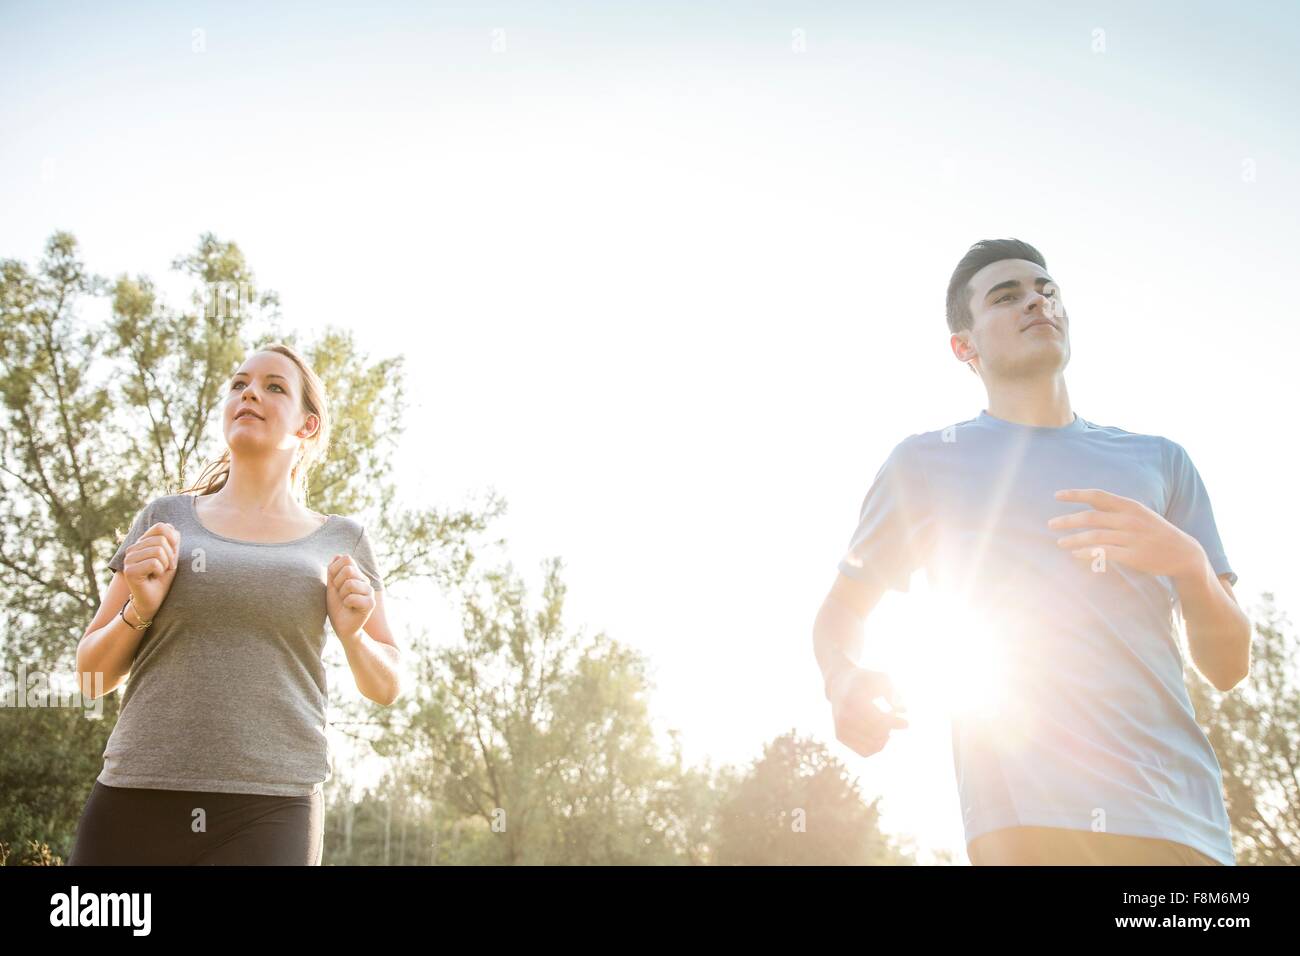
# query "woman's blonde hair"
(215, 475)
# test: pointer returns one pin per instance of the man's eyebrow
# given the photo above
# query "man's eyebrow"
(1015, 284)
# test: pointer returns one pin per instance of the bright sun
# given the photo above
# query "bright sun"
(950, 661)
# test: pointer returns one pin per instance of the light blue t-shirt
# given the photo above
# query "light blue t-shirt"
(1095, 730)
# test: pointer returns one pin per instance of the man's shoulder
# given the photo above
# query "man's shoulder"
(953, 433)
(1130, 442)
(915, 446)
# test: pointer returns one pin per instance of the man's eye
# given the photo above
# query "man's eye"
(1009, 295)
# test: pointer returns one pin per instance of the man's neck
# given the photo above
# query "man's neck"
(1041, 402)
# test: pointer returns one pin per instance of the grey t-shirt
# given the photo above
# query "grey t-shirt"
(227, 689)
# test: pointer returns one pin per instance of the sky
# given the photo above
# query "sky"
(670, 278)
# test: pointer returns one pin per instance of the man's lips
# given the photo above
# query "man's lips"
(1039, 322)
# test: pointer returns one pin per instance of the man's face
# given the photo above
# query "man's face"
(1020, 328)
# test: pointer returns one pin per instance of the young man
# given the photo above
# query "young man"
(1077, 542)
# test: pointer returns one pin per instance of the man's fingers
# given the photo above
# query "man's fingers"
(864, 745)
(888, 721)
(880, 686)
(1088, 538)
(1097, 497)
(869, 718)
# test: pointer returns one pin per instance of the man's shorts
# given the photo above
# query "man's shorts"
(1057, 846)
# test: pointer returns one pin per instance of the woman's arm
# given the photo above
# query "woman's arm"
(374, 657)
(108, 647)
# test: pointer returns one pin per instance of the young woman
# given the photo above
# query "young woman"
(217, 611)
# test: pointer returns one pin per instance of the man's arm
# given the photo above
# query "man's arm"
(839, 630)
(1218, 631)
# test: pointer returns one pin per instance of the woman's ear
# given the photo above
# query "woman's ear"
(309, 427)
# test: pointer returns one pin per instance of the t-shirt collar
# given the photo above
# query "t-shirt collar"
(1002, 424)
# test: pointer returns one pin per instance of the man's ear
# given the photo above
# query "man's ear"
(963, 349)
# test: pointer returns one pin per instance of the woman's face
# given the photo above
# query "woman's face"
(263, 410)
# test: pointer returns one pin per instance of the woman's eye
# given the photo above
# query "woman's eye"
(273, 385)
(234, 385)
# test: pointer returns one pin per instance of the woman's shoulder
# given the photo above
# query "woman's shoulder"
(160, 508)
(349, 524)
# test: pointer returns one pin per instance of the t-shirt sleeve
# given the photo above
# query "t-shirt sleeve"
(895, 529)
(142, 523)
(1189, 508)
(364, 555)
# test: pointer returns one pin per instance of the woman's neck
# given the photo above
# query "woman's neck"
(259, 487)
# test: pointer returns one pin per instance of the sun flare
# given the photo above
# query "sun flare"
(952, 661)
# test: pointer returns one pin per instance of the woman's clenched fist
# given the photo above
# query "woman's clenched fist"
(349, 597)
(150, 567)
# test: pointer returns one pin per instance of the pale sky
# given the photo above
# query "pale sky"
(672, 280)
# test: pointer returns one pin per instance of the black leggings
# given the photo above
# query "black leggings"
(135, 826)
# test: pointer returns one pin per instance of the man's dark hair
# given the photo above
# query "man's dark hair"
(981, 254)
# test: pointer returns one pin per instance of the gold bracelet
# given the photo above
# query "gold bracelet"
(122, 614)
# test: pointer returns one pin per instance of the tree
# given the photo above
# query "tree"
(98, 418)
(1255, 731)
(798, 806)
(542, 736)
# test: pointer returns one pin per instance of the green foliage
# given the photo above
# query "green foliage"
(100, 417)
(51, 758)
(521, 741)
(798, 806)
(1255, 732)
(539, 736)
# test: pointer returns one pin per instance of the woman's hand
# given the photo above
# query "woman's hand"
(349, 597)
(150, 567)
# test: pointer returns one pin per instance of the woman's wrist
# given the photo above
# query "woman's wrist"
(136, 616)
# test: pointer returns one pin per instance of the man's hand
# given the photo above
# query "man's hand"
(349, 597)
(1129, 532)
(859, 723)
